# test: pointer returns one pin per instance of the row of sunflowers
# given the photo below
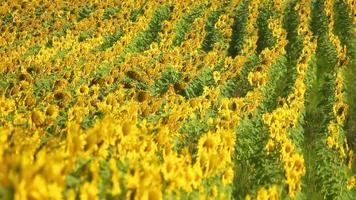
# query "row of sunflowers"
(204, 99)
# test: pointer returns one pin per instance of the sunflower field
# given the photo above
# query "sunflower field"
(177, 99)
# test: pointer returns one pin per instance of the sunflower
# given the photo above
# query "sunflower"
(270, 146)
(170, 167)
(30, 101)
(298, 161)
(351, 182)
(83, 90)
(228, 176)
(208, 142)
(216, 76)
(52, 111)
(287, 148)
(37, 118)
(207, 152)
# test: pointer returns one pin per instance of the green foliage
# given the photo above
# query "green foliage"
(43, 85)
(6, 193)
(32, 51)
(75, 178)
(184, 25)
(39, 10)
(257, 169)
(238, 86)
(318, 24)
(191, 131)
(326, 104)
(326, 179)
(238, 29)
(105, 179)
(325, 62)
(88, 121)
(250, 133)
(331, 173)
(344, 27)
(59, 55)
(269, 171)
(291, 23)
(195, 88)
(85, 11)
(162, 113)
(212, 33)
(110, 40)
(62, 118)
(265, 36)
(144, 38)
(293, 48)
(170, 76)
(350, 97)
(108, 12)
(270, 91)
(86, 34)
(101, 71)
(62, 32)
(49, 23)
(135, 13)
(229, 88)
(8, 18)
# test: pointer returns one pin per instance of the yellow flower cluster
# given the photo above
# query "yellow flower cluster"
(351, 182)
(39, 170)
(268, 56)
(251, 33)
(341, 51)
(124, 99)
(271, 193)
(287, 116)
(210, 146)
(352, 9)
(340, 108)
